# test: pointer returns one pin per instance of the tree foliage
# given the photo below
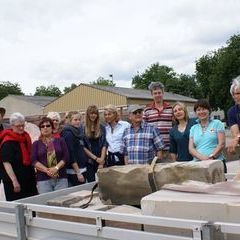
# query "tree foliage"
(216, 70)
(68, 89)
(9, 88)
(103, 82)
(51, 91)
(181, 84)
(154, 73)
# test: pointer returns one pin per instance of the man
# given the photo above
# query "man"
(141, 142)
(233, 115)
(159, 114)
(3, 125)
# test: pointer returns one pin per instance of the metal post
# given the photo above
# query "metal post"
(20, 222)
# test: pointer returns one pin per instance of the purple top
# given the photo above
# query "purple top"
(39, 154)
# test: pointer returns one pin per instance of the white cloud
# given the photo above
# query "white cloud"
(64, 41)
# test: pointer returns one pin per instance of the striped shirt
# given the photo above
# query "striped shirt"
(160, 119)
(141, 146)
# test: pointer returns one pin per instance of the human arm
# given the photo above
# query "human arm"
(158, 143)
(160, 154)
(235, 139)
(126, 160)
(233, 121)
(220, 146)
(77, 171)
(12, 176)
(194, 152)
(173, 146)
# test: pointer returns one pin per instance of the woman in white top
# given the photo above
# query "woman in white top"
(114, 132)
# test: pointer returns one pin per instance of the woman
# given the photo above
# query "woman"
(49, 156)
(114, 133)
(17, 172)
(95, 144)
(55, 117)
(207, 138)
(179, 134)
(76, 168)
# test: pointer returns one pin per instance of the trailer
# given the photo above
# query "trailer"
(23, 220)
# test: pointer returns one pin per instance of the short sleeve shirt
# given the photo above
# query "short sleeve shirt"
(206, 142)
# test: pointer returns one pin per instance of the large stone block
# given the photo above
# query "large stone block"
(128, 184)
(197, 201)
(67, 200)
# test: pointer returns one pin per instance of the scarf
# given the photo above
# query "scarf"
(24, 141)
(75, 131)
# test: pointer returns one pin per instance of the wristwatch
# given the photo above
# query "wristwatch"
(212, 156)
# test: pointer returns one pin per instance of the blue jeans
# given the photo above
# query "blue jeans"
(51, 185)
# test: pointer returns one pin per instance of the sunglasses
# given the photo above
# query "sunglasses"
(138, 111)
(45, 126)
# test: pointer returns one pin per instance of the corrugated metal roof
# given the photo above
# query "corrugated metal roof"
(141, 94)
(38, 100)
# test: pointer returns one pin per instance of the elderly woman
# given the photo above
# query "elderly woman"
(55, 117)
(49, 156)
(114, 133)
(207, 138)
(17, 172)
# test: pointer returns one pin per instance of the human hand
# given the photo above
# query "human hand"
(16, 186)
(80, 177)
(100, 161)
(100, 166)
(232, 145)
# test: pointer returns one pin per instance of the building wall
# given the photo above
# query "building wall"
(12, 104)
(83, 96)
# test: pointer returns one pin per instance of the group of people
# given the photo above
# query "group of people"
(70, 154)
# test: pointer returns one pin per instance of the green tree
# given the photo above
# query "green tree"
(155, 73)
(215, 72)
(51, 91)
(187, 85)
(9, 88)
(68, 89)
(103, 82)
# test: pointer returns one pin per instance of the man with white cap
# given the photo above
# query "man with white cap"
(141, 142)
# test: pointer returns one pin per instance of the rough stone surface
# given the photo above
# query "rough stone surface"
(221, 204)
(67, 200)
(128, 184)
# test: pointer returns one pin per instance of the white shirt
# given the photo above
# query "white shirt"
(114, 138)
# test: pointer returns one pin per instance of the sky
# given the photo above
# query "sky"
(60, 42)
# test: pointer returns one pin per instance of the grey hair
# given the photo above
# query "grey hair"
(110, 108)
(155, 85)
(16, 117)
(235, 84)
(54, 115)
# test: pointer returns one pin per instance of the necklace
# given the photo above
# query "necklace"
(204, 127)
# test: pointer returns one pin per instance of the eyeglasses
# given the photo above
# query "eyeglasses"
(138, 112)
(19, 126)
(45, 126)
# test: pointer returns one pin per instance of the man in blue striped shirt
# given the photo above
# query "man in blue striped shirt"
(141, 142)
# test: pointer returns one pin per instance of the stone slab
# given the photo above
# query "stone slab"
(67, 200)
(196, 206)
(128, 184)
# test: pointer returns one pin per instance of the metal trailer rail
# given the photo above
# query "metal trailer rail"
(21, 220)
(23, 223)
